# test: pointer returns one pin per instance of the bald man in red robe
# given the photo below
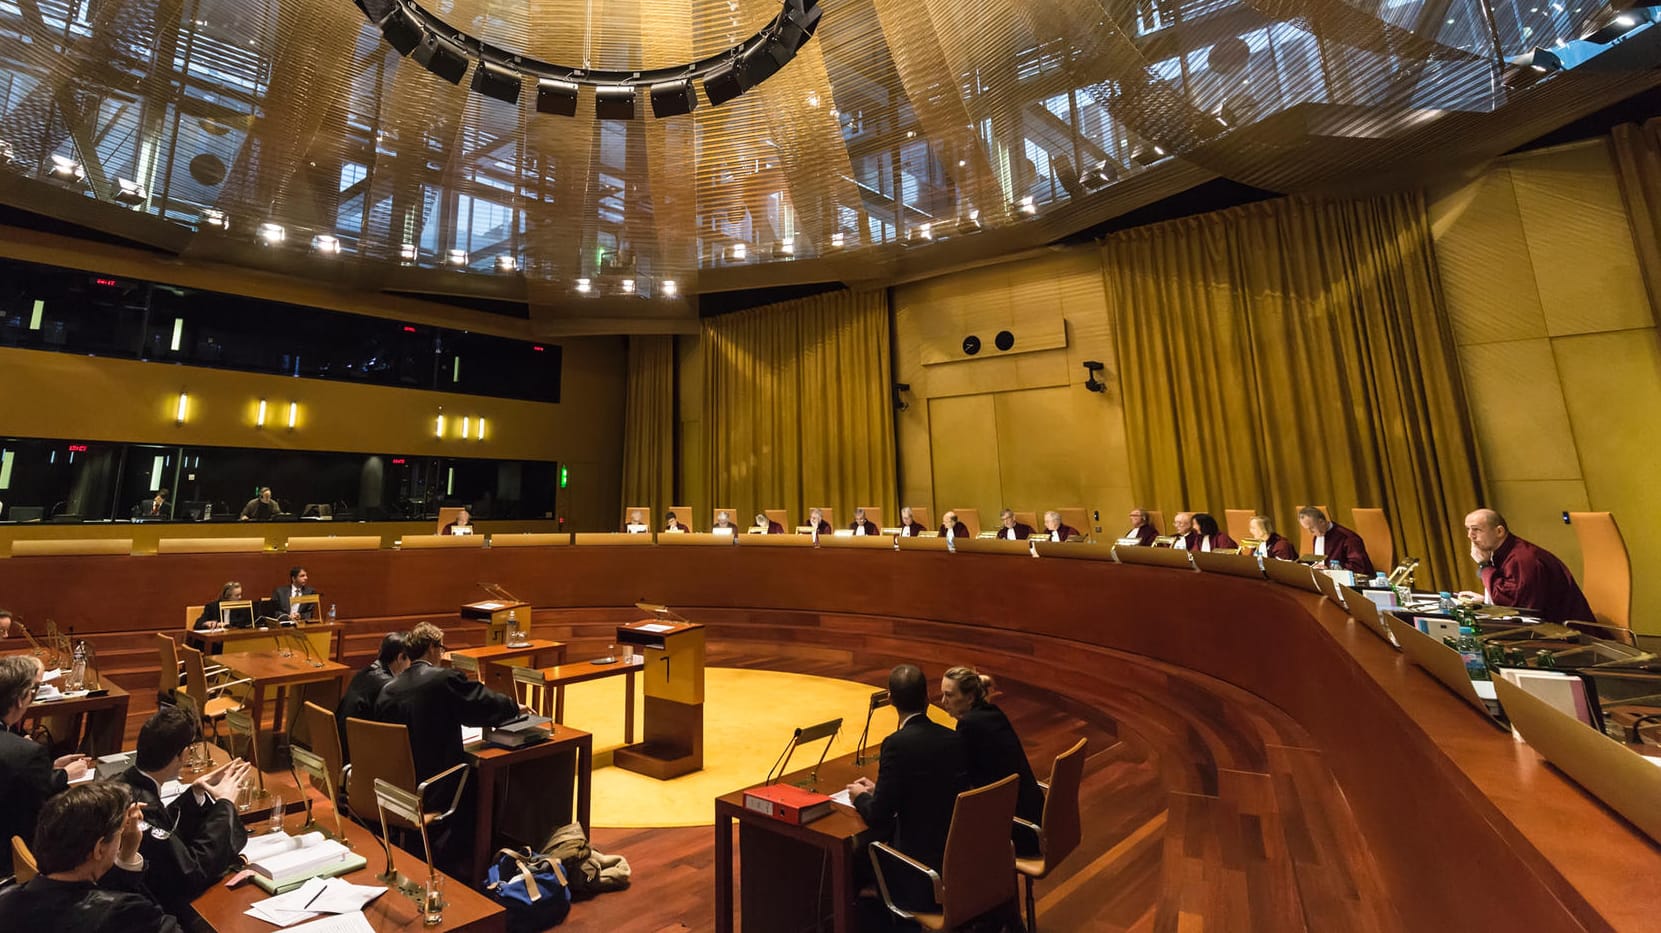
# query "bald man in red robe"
(1522, 574)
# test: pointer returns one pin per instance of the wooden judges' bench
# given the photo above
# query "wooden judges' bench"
(1429, 783)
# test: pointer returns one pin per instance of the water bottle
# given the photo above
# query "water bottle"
(207, 511)
(1444, 601)
(331, 612)
(78, 668)
(1471, 650)
(1333, 565)
(516, 637)
(1381, 581)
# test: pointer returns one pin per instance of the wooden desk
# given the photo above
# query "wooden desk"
(552, 770)
(223, 909)
(269, 669)
(493, 664)
(561, 676)
(783, 865)
(327, 639)
(99, 722)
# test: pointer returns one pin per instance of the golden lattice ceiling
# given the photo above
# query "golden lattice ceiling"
(906, 134)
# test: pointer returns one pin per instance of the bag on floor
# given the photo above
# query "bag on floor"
(588, 872)
(531, 887)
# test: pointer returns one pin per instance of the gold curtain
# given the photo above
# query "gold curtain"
(649, 426)
(1637, 151)
(1296, 352)
(797, 406)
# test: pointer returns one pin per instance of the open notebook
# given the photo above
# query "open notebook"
(279, 860)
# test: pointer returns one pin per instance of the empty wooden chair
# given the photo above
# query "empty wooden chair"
(24, 868)
(1062, 828)
(1238, 523)
(212, 701)
(974, 877)
(1374, 530)
(1029, 518)
(1605, 567)
(382, 761)
(170, 673)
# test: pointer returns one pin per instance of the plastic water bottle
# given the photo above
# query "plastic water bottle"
(1444, 601)
(516, 637)
(78, 667)
(1471, 650)
(1381, 581)
(331, 612)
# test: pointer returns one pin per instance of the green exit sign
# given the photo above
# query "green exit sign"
(564, 477)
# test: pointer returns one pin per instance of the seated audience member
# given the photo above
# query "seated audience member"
(1187, 536)
(1141, 528)
(1011, 530)
(285, 595)
(990, 746)
(816, 521)
(192, 842)
(1337, 545)
(724, 521)
(1520, 573)
(863, 525)
(636, 523)
(28, 775)
(260, 508)
(921, 771)
(673, 524)
(767, 525)
(1211, 536)
(1058, 531)
(365, 688)
(435, 702)
(1271, 543)
(910, 527)
(463, 525)
(156, 506)
(950, 527)
(9, 626)
(91, 872)
(210, 619)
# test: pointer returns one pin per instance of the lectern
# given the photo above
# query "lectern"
(674, 698)
(494, 612)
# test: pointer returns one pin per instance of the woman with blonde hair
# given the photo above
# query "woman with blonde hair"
(990, 744)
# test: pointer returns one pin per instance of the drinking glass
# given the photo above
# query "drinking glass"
(433, 900)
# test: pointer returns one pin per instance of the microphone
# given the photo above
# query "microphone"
(305, 645)
(878, 700)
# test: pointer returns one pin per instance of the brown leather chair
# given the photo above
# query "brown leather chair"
(1238, 523)
(382, 762)
(974, 877)
(1374, 530)
(1605, 567)
(24, 868)
(1157, 517)
(1062, 829)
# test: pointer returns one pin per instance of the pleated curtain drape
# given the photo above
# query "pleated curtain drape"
(649, 426)
(1296, 352)
(797, 406)
(1637, 151)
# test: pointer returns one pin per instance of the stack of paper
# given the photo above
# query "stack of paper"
(283, 858)
(314, 898)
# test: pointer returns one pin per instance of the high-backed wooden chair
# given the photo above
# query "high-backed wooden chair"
(1374, 530)
(171, 672)
(24, 868)
(325, 743)
(922, 516)
(1158, 519)
(974, 877)
(683, 517)
(1306, 541)
(1078, 518)
(829, 513)
(777, 515)
(446, 515)
(1238, 523)
(1605, 567)
(212, 701)
(739, 521)
(970, 518)
(381, 759)
(873, 514)
(646, 518)
(1062, 829)
(244, 734)
(1031, 518)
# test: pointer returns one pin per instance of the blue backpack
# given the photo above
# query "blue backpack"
(531, 888)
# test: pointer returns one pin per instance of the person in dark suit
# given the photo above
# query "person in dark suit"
(365, 688)
(91, 871)
(28, 775)
(771, 527)
(192, 842)
(435, 702)
(863, 525)
(1011, 530)
(910, 527)
(816, 521)
(1337, 545)
(240, 618)
(920, 772)
(1274, 545)
(261, 508)
(950, 527)
(1211, 536)
(1142, 528)
(285, 596)
(992, 748)
(1057, 530)
(156, 506)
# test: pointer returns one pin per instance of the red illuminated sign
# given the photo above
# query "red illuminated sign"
(397, 461)
(77, 448)
(108, 283)
(536, 348)
(408, 329)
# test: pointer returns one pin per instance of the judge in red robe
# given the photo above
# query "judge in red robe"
(910, 527)
(949, 522)
(1335, 543)
(1011, 530)
(816, 521)
(1059, 531)
(1142, 528)
(1211, 537)
(1182, 526)
(863, 525)
(772, 527)
(1519, 573)
(1273, 544)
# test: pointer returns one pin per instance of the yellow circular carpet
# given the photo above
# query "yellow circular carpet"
(748, 717)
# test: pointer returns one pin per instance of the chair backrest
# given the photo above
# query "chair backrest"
(970, 518)
(737, 519)
(23, 861)
(1306, 541)
(379, 750)
(192, 613)
(1605, 567)
(921, 515)
(1078, 518)
(1374, 530)
(683, 517)
(1158, 519)
(325, 741)
(975, 872)
(167, 655)
(873, 514)
(829, 513)
(446, 515)
(622, 525)
(241, 724)
(196, 677)
(531, 693)
(1238, 523)
(1062, 828)
(776, 515)
(1029, 518)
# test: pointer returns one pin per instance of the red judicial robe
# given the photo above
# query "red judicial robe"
(1189, 541)
(959, 530)
(1279, 548)
(916, 529)
(870, 527)
(1144, 534)
(1528, 576)
(1345, 547)
(824, 527)
(1220, 542)
(1020, 532)
(1063, 532)
(774, 528)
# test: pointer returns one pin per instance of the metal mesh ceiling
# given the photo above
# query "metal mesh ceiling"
(902, 124)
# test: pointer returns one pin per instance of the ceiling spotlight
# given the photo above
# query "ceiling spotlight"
(64, 168)
(759, 63)
(442, 57)
(325, 245)
(213, 217)
(724, 83)
(456, 257)
(628, 286)
(497, 81)
(408, 254)
(401, 30)
(614, 102)
(557, 97)
(271, 234)
(673, 98)
(506, 263)
(670, 289)
(130, 193)
(797, 24)
(584, 286)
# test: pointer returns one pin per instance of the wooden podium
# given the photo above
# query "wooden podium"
(674, 696)
(494, 614)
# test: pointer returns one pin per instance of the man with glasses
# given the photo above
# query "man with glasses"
(28, 775)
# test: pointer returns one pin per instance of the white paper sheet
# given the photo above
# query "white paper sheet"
(842, 798)
(471, 734)
(340, 923)
(655, 628)
(316, 897)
